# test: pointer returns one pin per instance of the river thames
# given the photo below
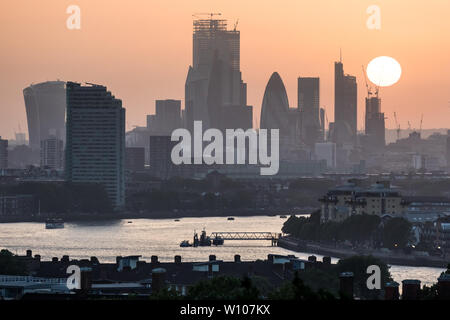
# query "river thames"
(161, 237)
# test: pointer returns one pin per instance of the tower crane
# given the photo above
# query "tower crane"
(236, 24)
(369, 88)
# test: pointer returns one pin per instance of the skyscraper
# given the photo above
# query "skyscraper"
(214, 90)
(45, 104)
(276, 114)
(375, 130)
(345, 106)
(95, 149)
(167, 116)
(3, 153)
(161, 164)
(448, 150)
(275, 106)
(308, 103)
(135, 158)
(52, 153)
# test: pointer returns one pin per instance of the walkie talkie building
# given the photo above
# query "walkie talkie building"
(45, 104)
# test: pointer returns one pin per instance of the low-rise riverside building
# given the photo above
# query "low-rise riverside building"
(352, 199)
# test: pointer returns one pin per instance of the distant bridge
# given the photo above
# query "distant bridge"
(247, 236)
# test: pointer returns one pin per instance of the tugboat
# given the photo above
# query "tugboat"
(204, 240)
(54, 223)
(185, 244)
(283, 216)
(230, 219)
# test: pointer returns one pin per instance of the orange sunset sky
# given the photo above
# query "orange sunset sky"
(141, 50)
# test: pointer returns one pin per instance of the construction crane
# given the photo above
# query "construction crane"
(236, 24)
(397, 126)
(369, 88)
(409, 126)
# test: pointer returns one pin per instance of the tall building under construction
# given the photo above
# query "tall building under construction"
(214, 90)
(375, 127)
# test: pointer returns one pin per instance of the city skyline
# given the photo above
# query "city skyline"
(157, 67)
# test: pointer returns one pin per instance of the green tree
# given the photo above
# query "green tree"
(297, 290)
(396, 233)
(223, 288)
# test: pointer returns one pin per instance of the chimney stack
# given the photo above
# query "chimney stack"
(158, 279)
(346, 284)
(391, 291)
(86, 279)
(443, 286)
(410, 289)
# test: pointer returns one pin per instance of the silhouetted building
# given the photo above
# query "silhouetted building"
(448, 150)
(308, 103)
(95, 151)
(322, 124)
(21, 139)
(135, 158)
(275, 106)
(45, 105)
(326, 151)
(167, 117)
(3, 153)
(345, 106)
(161, 164)
(52, 153)
(276, 114)
(17, 205)
(375, 130)
(214, 90)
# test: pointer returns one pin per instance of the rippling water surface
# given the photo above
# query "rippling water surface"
(160, 237)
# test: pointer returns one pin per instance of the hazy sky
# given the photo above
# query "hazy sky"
(141, 50)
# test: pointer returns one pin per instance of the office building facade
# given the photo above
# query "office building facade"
(161, 165)
(308, 91)
(135, 159)
(3, 153)
(448, 150)
(52, 153)
(95, 150)
(345, 106)
(326, 151)
(375, 127)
